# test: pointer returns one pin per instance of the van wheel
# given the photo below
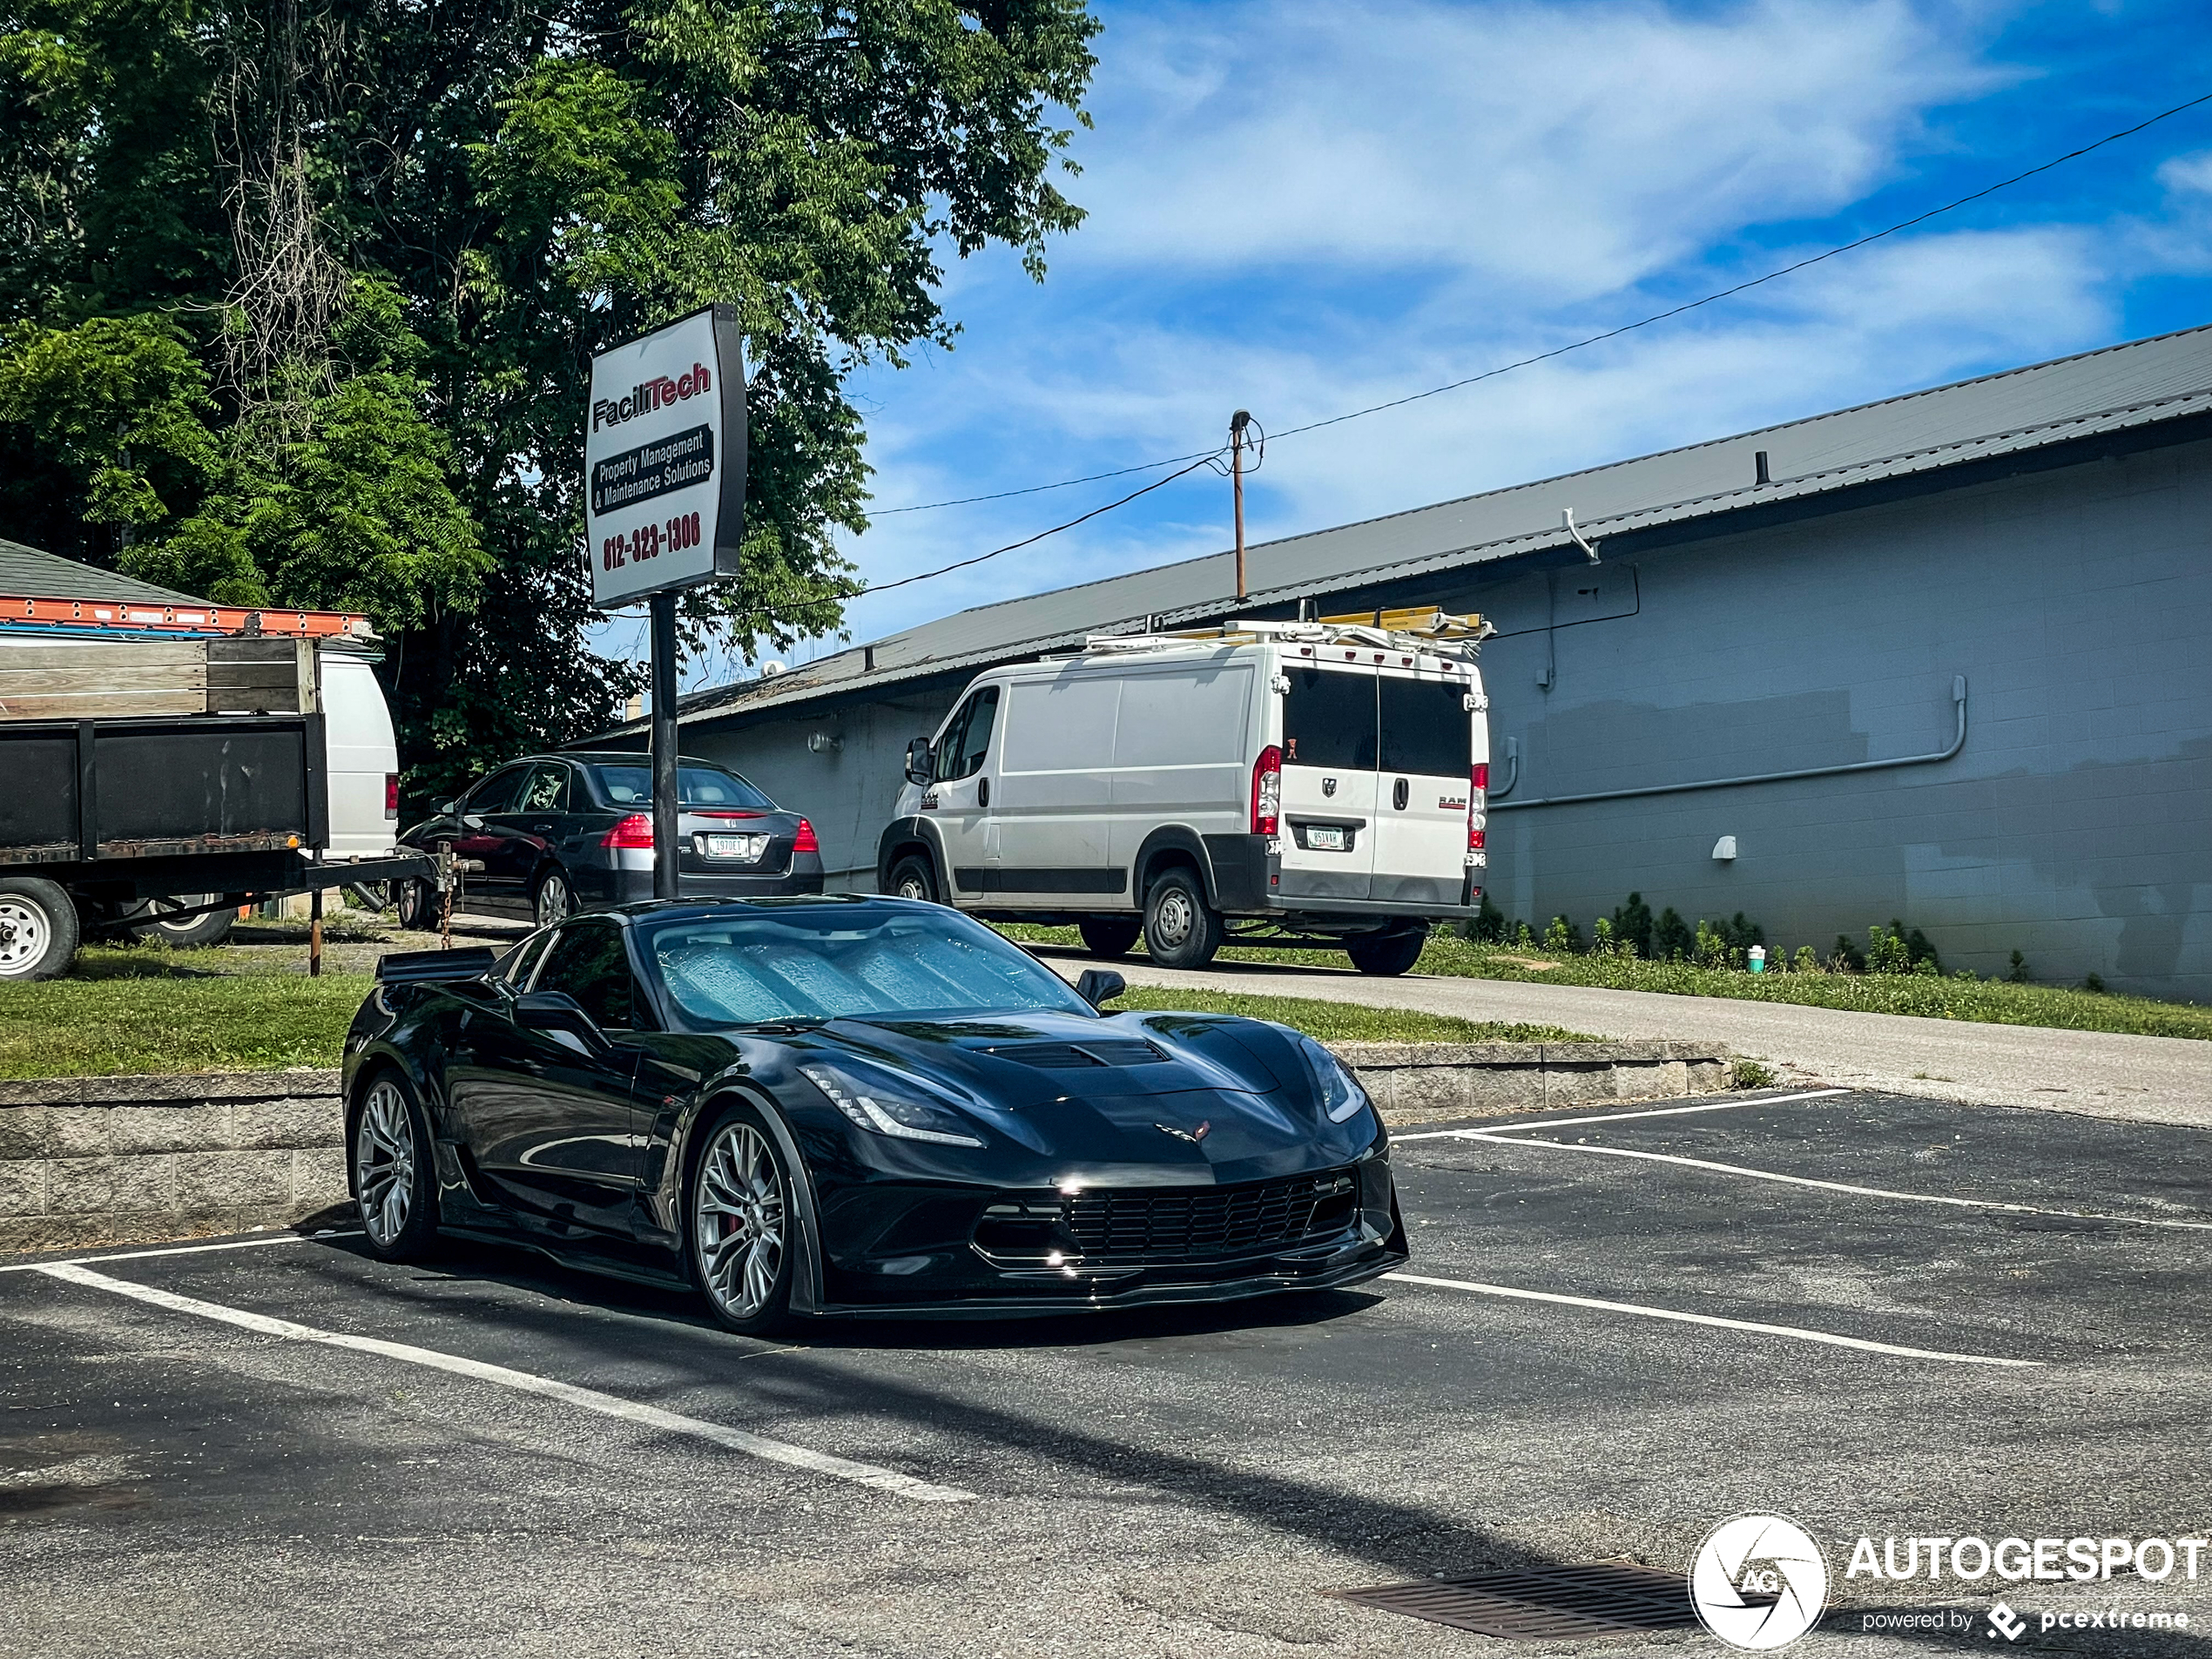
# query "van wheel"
(151, 921)
(1388, 956)
(1181, 929)
(911, 878)
(39, 929)
(1108, 936)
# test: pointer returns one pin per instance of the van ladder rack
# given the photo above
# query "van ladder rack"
(1420, 628)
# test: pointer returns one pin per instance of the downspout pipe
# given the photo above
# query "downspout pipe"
(1958, 742)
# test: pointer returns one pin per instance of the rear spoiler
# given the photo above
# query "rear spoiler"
(434, 967)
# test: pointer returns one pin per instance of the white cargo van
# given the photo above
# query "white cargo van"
(1318, 782)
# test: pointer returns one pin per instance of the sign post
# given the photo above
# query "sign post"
(664, 466)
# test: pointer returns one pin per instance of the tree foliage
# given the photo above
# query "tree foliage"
(299, 298)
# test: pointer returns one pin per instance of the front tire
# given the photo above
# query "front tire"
(742, 1225)
(1389, 956)
(1108, 937)
(39, 929)
(1181, 929)
(911, 878)
(394, 1181)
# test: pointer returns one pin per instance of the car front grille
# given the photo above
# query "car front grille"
(1186, 1224)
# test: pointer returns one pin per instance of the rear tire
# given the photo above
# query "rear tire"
(1388, 956)
(1181, 929)
(911, 878)
(389, 1164)
(554, 900)
(416, 904)
(146, 921)
(741, 1224)
(1109, 937)
(39, 929)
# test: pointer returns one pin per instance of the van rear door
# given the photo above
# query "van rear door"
(1422, 777)
(1328, 758)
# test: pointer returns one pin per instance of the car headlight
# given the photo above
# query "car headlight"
(1337, 1090)
(901, 1114)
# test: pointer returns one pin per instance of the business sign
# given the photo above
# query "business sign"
(663, 459)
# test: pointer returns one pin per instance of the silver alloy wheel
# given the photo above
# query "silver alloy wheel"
(1172, 919)
(554, 900)
(739, 1220)
(384, 1162)
(25, 930)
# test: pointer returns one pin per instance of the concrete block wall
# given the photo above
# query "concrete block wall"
(111, 1160)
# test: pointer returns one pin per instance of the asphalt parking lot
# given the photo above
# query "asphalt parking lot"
(1903, 1318)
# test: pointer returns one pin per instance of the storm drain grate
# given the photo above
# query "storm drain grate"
(1548, 1603)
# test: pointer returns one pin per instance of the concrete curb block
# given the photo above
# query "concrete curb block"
(138, 1160)
(1426, 1082)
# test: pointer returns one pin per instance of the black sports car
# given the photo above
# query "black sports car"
(853, 1106)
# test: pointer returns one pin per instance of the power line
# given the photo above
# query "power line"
(1610, 333)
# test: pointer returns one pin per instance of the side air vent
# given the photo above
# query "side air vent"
(1072, 1056)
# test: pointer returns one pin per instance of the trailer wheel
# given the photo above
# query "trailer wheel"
(416, 905)
(151, 921)
(39, 929)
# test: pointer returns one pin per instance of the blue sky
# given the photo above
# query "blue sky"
(1300, 208)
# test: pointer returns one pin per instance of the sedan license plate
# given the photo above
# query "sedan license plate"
(746, 847)
(1326, 838)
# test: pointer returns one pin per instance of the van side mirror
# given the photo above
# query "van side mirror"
(1099, 986)
(922, 762)
(559, 1015)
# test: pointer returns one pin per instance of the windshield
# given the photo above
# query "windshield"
(846, 961)
(694, 787)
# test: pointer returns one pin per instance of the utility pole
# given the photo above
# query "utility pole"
(1237, 422)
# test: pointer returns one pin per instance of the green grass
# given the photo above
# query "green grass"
(148, 1009)
(126, 1017)
(1929, 997)
(1339, 1021)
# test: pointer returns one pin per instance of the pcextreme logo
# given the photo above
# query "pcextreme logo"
(1758, 1582)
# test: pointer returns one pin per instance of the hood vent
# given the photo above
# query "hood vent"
(1073, 1056)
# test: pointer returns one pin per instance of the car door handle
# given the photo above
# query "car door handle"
(541, 829)
(1398, 791)
(983, 792)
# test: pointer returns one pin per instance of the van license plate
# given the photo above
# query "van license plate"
(1326, 838)
(746, 847)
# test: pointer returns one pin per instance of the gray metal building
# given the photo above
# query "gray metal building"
(1959, 643)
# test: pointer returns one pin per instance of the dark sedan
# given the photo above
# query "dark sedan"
(560, 833)
(850, 1106)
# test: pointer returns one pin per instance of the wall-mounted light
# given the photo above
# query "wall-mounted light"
(822, 744)
(1724, 850)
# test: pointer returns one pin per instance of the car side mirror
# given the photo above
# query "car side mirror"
(448, 808)
(559, 1015)
(471, 821)
(922, 762)
(1099, 986)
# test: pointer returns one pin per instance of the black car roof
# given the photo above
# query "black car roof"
(642, 907)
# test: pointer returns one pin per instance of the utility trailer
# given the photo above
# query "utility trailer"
(158, 764)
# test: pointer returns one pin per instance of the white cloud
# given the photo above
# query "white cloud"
(1572, 149)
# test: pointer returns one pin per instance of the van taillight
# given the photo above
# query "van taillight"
(634, 831)
(805, 841)
(391, 795)
(1477, 805)
(1267, 791)
(1481, 778)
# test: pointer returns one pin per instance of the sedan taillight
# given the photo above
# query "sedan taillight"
(805, 841)
(634, 831)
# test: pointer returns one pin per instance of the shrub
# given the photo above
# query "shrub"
(1523, 937)
(1750, 1074)
(1805, 961)
(1710, 948)
(1892, 950)
(1632, 924)
(1602, 938)
(2094, 982)
(2019, 975)
(1671, 939)
(1489, 925)
(1563, 936)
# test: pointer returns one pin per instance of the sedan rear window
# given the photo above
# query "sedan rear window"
(694, 787)
(841, 961)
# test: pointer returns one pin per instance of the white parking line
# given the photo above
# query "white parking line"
(589, 1399)
(1621, 1118)
(1831, 1186)
(1796, 1332)
(178, 1250)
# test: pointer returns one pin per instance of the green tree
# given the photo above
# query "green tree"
(363, 255)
